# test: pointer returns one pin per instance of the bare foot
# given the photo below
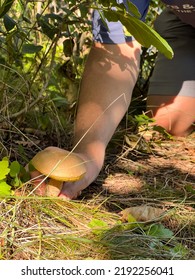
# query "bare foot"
(70, 190)
(37, 180)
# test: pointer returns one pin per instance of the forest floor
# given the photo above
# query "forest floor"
(157, 173)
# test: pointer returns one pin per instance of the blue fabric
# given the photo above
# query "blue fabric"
(184, 9)
(115, 34)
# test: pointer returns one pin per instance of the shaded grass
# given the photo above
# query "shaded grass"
(49, 229)
(37, 228)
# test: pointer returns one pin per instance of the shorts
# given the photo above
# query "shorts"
(115, 33)
(176, 76)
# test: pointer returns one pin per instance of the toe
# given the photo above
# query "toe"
(69, 191)
(38, 182)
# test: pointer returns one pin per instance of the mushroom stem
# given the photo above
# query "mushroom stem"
(53, 187)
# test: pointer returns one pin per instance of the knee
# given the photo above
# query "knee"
(178, 128)
(174, 113)
(177, 124)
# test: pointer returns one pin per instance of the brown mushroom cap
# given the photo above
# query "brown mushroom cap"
(59, 164)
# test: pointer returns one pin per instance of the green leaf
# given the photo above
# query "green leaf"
(131, 219)
(159, 231)
(132, 222)
(97, 223)
(144, 34)
(68, 47)
(133, 9)
(31, 168)
(83, 10)
(14, 169)
(4, 169)
(102, 16)
(190, 188)
(24, 174)
(8, 22)
(143, 119)
(26, 19)
(47, 28)
(5, 189)
(15, 182)
(4, 8)
(110, 15)
(54, 17)
(31, 48)
(98, 226)
(162, 131)
(179, 251)
(60, 101)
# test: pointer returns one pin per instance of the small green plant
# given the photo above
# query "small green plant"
(164, 238)
(146, 124)
(12, 175)
(143, 120)
(98, 226)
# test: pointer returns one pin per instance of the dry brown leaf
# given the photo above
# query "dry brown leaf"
(142, 213)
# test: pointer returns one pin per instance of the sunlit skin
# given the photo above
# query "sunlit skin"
(110, 74)
(175, 113)
(109, 78)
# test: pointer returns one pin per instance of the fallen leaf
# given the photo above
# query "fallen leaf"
(142, 213)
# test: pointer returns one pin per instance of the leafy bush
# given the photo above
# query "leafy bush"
(37, 36)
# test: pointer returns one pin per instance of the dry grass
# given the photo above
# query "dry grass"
(42, 228)
(32, 227)
(52, 229)
(36, 228)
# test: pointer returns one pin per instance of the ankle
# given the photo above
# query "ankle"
(92, 154)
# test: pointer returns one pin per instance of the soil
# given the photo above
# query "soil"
(160, 168)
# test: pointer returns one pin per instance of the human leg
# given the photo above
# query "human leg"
(110, 75)
(171, 96)
(175, 113)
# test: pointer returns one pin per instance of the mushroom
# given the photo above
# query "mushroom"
(59, 165)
